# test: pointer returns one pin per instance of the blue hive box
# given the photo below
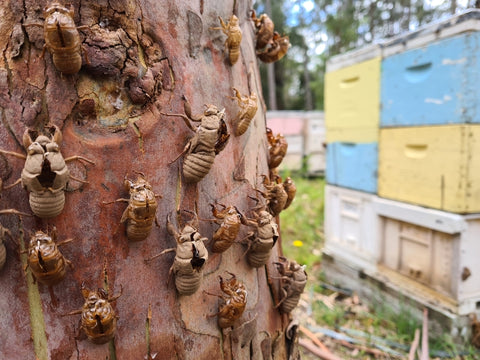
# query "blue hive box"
(353, 165)
(435, 82)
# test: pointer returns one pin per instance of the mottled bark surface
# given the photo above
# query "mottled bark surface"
(139, 58)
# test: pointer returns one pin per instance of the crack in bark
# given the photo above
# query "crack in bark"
(111, 344)
(37, 321)
(147, 331)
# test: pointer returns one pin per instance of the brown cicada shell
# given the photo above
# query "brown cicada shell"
(211, 137)
(141, 210)
(47, 263)
(293, 278)
(290, 189)
(229, 227)
(234, 37)
(248, 108)
(475, 328)
(4, 232)
(99, 321)
(191, 256)
(262, 239)
(62, 38)
(264, 30)
(276, 50)
(275, 195)
(277, 148)
(45, 174)
(233, 302)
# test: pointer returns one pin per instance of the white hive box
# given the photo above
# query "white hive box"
(315, 142)
(351, 227)
(430, 254)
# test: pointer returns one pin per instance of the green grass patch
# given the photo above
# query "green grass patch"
(301, 224)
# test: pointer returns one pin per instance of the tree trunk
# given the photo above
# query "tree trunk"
(306, 77)
(139, 58)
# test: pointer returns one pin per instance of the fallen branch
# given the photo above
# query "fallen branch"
(315, 350)
(357, 344)
(425, 335)
(413, 348)
(314, 339)
(374, 352)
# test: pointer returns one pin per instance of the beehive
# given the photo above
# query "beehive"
(433, 166)
(434, 248)
(353, 165)
(351, 226)
(435, 84)
(315, 151)
(352, 97)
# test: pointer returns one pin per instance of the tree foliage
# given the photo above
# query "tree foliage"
(319, 29)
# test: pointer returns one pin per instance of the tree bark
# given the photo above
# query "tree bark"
(140, 57)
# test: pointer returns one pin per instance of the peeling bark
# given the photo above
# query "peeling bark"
(139, 58)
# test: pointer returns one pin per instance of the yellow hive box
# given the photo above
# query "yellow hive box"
(432, 166)
(352, 102)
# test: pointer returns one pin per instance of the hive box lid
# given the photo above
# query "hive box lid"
(353, 57)
(466, 22)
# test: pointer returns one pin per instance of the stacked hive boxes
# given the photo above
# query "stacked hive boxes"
(352, 95)
(426, 212)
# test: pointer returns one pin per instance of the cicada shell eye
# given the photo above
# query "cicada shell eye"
(27, 138)
(56, 134)
(103, 293)
(128, 185)
(211, 110)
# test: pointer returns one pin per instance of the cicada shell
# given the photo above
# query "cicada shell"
(190, 257)
(277, 148)
(232, 303)
(45, 260)
(234, 37)
(248, 108)
(4, 232)
(264, 30)
(276, 50)
(290, 189)
(262, 239)
(226, 234)
(99, 321)
(293, 278)
(45, 174)
(211, 137)
(276, 195)
(62, 38)
(475, 328)
(141, 210)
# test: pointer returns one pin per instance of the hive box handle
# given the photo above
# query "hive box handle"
(349, 82)
(416, 151)
(418, 72)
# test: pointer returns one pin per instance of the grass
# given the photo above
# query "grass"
(302, 239)
(302, 223)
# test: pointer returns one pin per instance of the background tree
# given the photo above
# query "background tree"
(143, 58)
(320, 29)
